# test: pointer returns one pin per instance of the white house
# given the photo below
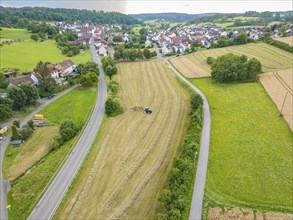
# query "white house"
(165, 50)
(102, 51)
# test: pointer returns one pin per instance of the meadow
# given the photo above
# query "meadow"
(27, 190)
(250, 151)
(129, 163)
(271, 58)
(26, 54)
(8, 34)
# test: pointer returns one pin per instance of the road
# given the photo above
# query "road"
(50, 201)
(4, 184)
(201, 172)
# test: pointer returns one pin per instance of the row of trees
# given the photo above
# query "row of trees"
(279, 44)
(109, 67)
(88, 74)
(42, 31)
(224, 41)
(176, 196)
(233, 68)
(133, 54)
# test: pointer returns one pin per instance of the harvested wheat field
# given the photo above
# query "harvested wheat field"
(271, 58)
(287, 40)
(188, 68)
(279, 86)
(128, 166)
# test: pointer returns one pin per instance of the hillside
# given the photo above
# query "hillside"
(20, 17)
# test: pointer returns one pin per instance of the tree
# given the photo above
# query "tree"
(31, 93)
(3, 81)
(18, 96)
(26, 132)
(67, 130)
(240, 38)
(15, 135)
(132, 54)
(253, 68)
(5, 112)
(147, 53)
(210, 60)
(117, 39)
(139, 54)
(46, 82)
(110, 71)
(143, 31)
(113, 107)
(16, 123)
(88, 67)
(88, 80)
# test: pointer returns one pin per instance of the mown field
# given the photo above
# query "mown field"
(27, 190)
(26, 54)
(250, 161)
(279, 86)
(128, 165)
(287, 40)
(271, 58)
(8, 34)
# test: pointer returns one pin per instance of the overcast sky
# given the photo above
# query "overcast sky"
(153, 6)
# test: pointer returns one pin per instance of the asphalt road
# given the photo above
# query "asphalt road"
(48, 204)
(201, 172)
(4, 184)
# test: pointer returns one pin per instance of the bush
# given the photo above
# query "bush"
(67, 130)
(15, 135)
(114, 87)
(25, 132)
(210, 60)
(56, 142)
(113, 107)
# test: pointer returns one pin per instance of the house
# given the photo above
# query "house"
(175, 41)
(3, 128)
(10, 75)
(65, 68)
(97, 40)
(53, 70)
(165, 50)
(111, 52)
(102, 51)
(21, 80)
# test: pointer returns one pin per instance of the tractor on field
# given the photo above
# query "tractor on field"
(147, 110)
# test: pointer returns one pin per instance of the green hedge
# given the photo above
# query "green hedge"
(279, 44)
(176, 196)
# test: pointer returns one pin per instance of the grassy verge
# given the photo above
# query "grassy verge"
(250, 151)
(27, 190)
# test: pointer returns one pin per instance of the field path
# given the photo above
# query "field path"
(200, 179)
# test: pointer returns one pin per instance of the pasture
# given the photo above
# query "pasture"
(129, 163)
(287, 40)
(271, 58)
(250, 150)
(25, 55)
(25, 192)
(279, 86)
(8, 34)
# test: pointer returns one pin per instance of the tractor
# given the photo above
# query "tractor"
(147, 110)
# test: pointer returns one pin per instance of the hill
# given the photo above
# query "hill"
(20, 17)
(172, 16)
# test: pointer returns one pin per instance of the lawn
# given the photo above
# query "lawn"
(250, 161)
(14, 34)
(25, 55)
(25, 193)
(129, 163)
(271, 58)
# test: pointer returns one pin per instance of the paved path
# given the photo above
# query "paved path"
(4, 184)
(50, 201)
(200, 179)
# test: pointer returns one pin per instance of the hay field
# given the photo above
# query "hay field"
(279, 86)
(287, 40)
(135, 151)
(271, 58)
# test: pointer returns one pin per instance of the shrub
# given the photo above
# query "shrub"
(25, 132)
(114, 87)
(15, 135)
(210, 60)
(56, 142)
(113, 107)
(67, 130)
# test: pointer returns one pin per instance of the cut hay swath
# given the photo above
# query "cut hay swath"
(272, 59)
(279, 86)
(136, 151)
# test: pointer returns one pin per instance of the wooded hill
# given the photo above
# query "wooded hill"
(20, 17)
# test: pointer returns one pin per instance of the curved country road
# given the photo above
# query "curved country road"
(4, 184)
(201, 172)
(50, 201)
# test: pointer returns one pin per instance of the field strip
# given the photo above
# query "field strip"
(287, 87)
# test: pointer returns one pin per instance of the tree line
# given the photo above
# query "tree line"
(176, 195)
(133, 54)
(21, 17)
(278, 44)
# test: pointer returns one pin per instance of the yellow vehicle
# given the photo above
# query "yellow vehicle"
(39, 117)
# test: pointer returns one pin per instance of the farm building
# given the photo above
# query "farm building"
(3, 128)
(16, 143)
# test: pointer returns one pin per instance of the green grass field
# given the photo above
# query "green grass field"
(24, 194)
(271, 58)
(250, 161)
(14, 34)
(26, 54)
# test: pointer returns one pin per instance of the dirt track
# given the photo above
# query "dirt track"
(135, 148)
(279, 86)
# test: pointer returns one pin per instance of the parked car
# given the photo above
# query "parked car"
(1, 138)
(51, 96)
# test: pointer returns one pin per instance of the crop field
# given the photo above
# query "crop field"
(14, 34)
(271, 58)
(279, 86)
(134, 151)
(25, 55)
(287, 40)
(26, 191)
(250, 160)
